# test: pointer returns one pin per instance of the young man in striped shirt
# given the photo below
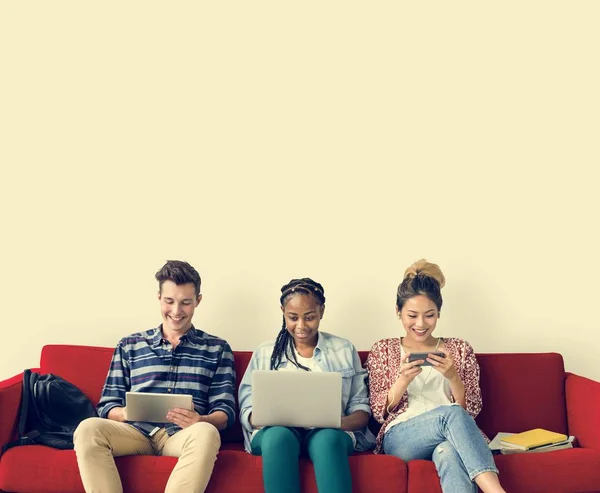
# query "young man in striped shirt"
(176, 358)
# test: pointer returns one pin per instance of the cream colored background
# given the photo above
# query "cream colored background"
(263, 141)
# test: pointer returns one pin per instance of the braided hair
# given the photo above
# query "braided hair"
(284, 344)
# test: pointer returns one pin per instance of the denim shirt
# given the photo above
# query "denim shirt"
(332, 353)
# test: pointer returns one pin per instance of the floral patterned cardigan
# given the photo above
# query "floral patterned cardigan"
(383, 366)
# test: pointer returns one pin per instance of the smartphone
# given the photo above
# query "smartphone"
(416, 356)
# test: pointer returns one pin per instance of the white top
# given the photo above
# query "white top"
(428, 390)
(309, 363)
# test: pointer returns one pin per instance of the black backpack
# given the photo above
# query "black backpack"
(51, 409)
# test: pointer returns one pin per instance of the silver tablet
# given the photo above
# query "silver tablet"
(147, 406)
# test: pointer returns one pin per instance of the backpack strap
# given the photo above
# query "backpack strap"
(25, 396)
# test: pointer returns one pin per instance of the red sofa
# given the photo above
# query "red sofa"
(520, 391)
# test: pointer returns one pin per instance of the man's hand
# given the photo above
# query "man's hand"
(118, 414)
(183, 418)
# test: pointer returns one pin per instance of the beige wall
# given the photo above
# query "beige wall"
(340, 141)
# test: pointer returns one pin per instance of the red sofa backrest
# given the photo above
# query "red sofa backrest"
(84, 366)
(242, 358)
(520, 391)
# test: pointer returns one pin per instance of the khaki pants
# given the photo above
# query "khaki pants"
(98, 440)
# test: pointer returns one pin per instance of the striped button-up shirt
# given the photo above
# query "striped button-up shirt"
(200, 365)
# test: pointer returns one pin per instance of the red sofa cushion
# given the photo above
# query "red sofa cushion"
(563, 471)
(40, 469)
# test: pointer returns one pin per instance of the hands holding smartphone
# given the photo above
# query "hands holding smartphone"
(423, 356)
(442, 361)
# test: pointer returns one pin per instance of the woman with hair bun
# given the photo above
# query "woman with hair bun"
(300, 346)
(427, 405)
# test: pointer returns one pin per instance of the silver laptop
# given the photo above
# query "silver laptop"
(147, 406)
(306, 399)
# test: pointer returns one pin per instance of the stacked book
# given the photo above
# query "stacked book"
(536, 440)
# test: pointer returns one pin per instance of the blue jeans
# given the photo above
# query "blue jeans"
(450, 438)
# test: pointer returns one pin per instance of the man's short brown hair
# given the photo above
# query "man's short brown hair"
(179, 272)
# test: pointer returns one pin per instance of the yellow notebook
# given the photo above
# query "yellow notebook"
(533, 438)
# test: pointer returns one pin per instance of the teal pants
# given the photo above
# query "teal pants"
(280, 448)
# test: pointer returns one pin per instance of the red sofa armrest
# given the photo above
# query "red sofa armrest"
(583, 410)
(10, 400)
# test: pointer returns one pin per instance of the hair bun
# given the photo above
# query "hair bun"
(423, 268)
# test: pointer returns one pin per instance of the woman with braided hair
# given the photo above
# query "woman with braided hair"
(300, 346)
(427, 411)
